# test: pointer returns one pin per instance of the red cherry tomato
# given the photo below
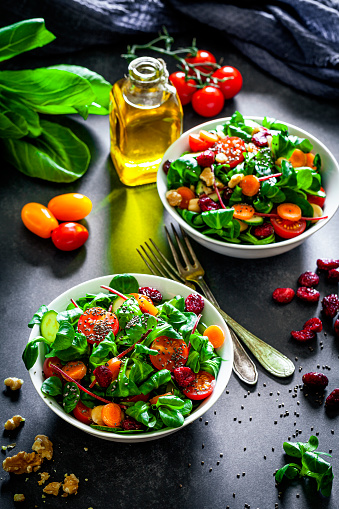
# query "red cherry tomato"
(70, 206)
(233, 148)
(83, 413)
(229, 87)
(202, 57)
(288, 229)
(208, 101)
(39, 219)
(184, 88)
(96, 323)
(317, 200)
(202, 387)
(197, 144)
(172, 353)
(48, 371)
(69, 236)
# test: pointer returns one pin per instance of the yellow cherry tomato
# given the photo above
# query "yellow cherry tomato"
(39, 219)
(70, 206)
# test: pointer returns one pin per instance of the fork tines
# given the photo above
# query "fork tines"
(159, 263)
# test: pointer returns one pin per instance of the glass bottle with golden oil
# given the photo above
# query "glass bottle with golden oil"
(145, 119)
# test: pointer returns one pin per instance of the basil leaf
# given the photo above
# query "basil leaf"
(326, 481)
(52, 386)
(12, 125)
(56, 155)
(70, 396)
(125, 283)
(292, 449)
(23, 36)
(26, 120)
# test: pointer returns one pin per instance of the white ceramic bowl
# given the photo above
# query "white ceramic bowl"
(168, 289)
(330, 178)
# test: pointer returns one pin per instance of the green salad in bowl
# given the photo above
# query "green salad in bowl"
(130, 357)
(249, 184)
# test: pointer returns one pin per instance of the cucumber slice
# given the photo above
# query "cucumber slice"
(199, 188)
(254, 221)
(104, 428)
(49, 325)
(117, 303)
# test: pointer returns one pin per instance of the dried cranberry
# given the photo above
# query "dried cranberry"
(263, 231)
(315, 380)
(206, 203)
(227, 194)
(308, 279)
(183, 376)
(302, 335)
(283, 295)
(194, 303)
(150, 292)
(327, 263)
(166, 165)
(260, 138)
(206, 158)
(103, 375)
(332, 401)
(130, 423)
(336, 327)
(330, 305)
(308, 294)
(333, 276)
(314, 325)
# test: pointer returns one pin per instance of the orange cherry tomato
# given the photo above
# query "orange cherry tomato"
(39, 219)
(145, 304)
(173, 353)
(70, 206)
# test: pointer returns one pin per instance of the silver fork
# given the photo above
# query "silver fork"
(270, 358)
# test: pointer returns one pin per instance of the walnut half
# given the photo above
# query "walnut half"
(14, 422)
(43, 446)
(22, 463)
(13, 383)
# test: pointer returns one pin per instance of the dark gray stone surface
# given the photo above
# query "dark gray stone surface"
(228, 458)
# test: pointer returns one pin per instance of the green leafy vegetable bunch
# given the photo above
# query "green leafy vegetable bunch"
(30, 141)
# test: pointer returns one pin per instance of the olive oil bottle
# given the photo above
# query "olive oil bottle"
(145, 119)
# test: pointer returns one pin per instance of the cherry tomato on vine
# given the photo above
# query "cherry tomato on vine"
(69, 236)
(184, 88)
(70, 206)
(83, 413)
(288, 229)
(208, 101)
(229, 87)
(39, 219)
(202, 57)
(96, 323)
(233, 148)
(202, 387)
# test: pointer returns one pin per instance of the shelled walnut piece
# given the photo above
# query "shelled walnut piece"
(13, 423)
(44, 477)
(13, 383)
(52, 488)
(71, 484)
(19, 497)
(24, 462)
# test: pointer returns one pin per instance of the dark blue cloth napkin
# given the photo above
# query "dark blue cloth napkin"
(297, 41)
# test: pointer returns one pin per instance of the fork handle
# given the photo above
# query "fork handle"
(271, 359)
(243, 366)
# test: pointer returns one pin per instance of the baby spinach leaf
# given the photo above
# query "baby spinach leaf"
(89, 400)
(139, 325)
(77, 349)
(282, 146)
(202, 345)
(31, 352)
(251, 239)
(272, 123)
(125, 283)
(171, 417)
(71, 315)
(64, 336)
(162, 329)
(194, 219)
(292, 449)
(193, 361)
(262, 204)
(326, 482)
(170, 401)
(23, 36)
(52, 386)
(291, 471)
(212, 366)
(141, 412)
(298, 198)
(183, 172)
(56, 155)
(236, 196)
(70, 396)
(159, 378)
(139, 371)
(36, 320)
(123, 386)
(103, 300)
(127, 311)
(139, 348)
(103, 351)
(187, 408)
(217, 218)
